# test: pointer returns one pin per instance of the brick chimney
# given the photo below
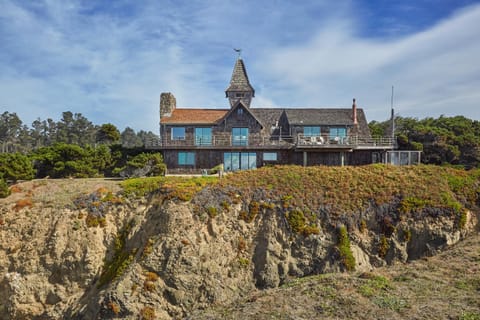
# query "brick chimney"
(168, 103)
(354, 112)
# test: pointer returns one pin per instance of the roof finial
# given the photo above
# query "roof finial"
(239, 51)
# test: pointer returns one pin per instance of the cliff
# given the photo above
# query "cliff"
(163, 248)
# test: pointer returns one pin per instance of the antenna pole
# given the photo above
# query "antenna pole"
(393, 115)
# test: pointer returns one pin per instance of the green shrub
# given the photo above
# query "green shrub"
(462, 219)
(16, 166)
(346, 255)
(383, 246)
(243, 262)
(67, 160)
(212, 212)
(121, 260)
(4, 189)
(296, 220)
(141, 165)
(412, 204)
(253, 211)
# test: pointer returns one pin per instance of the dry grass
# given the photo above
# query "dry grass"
(446, 286)
(58, 192)
(23, 203)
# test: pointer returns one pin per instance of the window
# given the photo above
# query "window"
(239, 95)
(203, 136)
(311, 131)
(338, 132)
(186, 158)
(338, 135)
(178, 133)
(240, 136)
(233, 161)
(240, 111)
(269, 156)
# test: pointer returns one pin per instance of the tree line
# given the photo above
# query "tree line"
(73, 128)
(443, 141)
(72, 147)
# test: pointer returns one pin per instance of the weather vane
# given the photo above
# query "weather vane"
(238, 50)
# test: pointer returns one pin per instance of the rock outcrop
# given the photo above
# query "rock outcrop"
(160, 259)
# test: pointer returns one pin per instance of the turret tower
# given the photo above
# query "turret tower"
(240, 88)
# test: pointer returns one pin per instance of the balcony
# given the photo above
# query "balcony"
(345, 142)
(274, 142)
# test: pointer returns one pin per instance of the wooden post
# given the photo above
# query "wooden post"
(304, 158)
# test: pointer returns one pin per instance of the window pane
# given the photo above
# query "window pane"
(186, 158)
(269, 156)
(178, 133)
(252, 160)
(227, 161)
(235, 161)
(240, 136)
(338, 132)
(203, 136)
(311, 131)
(244, 161)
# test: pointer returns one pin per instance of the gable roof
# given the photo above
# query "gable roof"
(239, 104)
(313, 116)
(239, 81)
(327, 116)
(194, 116)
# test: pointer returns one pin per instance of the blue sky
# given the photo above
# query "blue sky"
(110, 60)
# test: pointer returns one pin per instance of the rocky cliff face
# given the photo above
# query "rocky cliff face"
(153, 258)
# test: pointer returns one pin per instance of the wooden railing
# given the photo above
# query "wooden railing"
(222, 141)
(323, 141)
(352, 140)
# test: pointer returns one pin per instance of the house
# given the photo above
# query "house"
(242, 137)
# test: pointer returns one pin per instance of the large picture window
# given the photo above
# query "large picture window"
(234, 161)
(240, 136)
(311, 131)
(178, 133)
(186, 158)
(203, 136)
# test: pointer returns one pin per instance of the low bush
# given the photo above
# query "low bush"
(147, 313)
(4, 189)
(346, 255)
(383, 247)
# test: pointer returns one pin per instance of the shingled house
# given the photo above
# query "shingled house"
(242, 137)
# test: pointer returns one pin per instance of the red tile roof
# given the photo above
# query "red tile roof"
(194, 116)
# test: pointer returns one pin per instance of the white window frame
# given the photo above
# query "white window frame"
(179, 137)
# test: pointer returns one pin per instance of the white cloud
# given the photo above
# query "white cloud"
(434, 72)
(111, 63)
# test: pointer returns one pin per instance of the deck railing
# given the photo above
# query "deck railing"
(336, 141)
(299, 141)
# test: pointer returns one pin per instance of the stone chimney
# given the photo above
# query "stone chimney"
(354, 113)
(168, 103)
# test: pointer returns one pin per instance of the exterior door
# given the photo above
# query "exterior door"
(233, 161)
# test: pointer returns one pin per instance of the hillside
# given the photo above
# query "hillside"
(285, 242)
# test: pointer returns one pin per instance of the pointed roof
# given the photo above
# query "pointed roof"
(239, 104)
(239, 81)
